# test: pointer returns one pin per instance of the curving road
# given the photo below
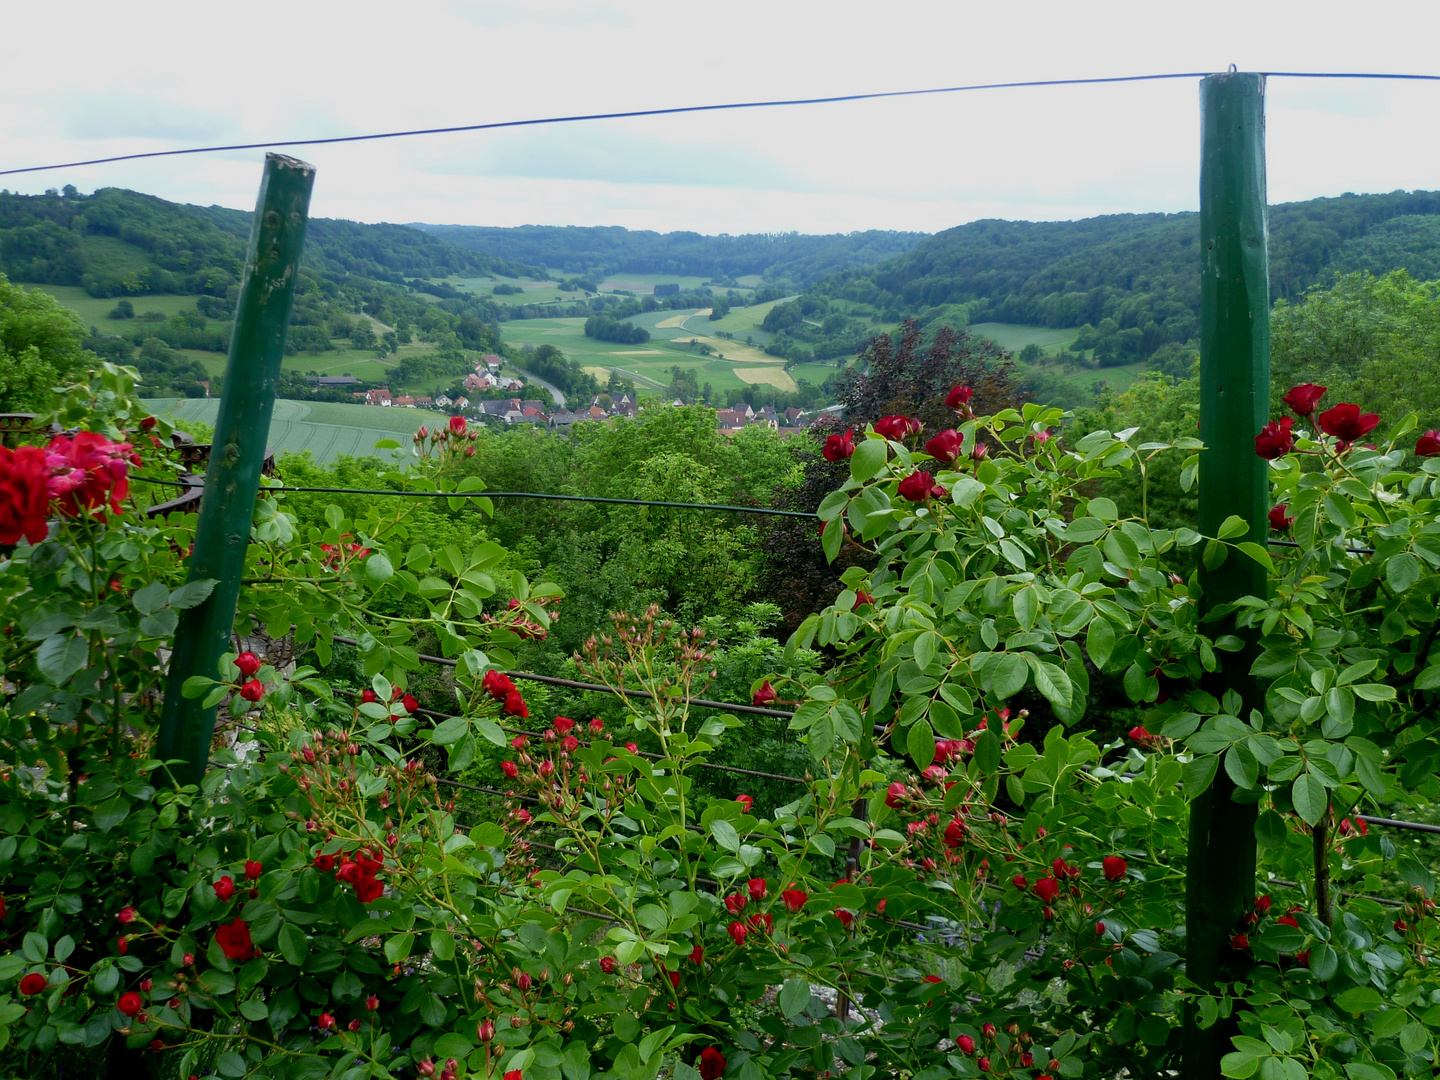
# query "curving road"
(556, 393)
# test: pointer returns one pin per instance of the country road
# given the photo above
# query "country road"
(555, 393)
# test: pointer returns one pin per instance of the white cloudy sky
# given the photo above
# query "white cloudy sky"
(104, 79)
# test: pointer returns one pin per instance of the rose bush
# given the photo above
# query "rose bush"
(949, 893)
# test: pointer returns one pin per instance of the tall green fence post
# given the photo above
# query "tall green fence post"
(1234, 404)
(232, 480)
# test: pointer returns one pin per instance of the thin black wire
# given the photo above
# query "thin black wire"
(503, 495)
(830, 100)
(628, 114)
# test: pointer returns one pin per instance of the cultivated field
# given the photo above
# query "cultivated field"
(326, 429)
(1014, 336)
(669, 345)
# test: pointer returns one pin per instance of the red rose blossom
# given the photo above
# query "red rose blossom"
(794, 899)
(917, 487)
(126, 914)
(253, 690)
(1047, 889)
(248, 663)
(758, 888)
(24, 495)
(945, 446)
(712, 1064)
(839, 447)
(846, 918)
(1114, 867)
(959, 396)
(766, 695)
(897, 428)
(130, 1003)
(745, 801)
(457, 425)
(224, 888)
(1347, 423)
(1304, 398)
(1240, 941)
(738, 932)
(895, 794)
(1279, 520)
(515, 705)
(32, 984)
(88, 473)
(1275, 439)
(1428, 445)
(234, 940)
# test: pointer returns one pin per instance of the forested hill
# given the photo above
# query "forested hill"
(1140, 271)
(602, 250)
(120, 243)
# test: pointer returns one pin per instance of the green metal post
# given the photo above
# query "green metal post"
(232, 480)
(1234, 403)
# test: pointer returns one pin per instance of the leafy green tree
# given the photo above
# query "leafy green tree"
(40, 346)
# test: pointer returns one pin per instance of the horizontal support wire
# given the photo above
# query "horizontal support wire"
(764, 510)
(681, 109)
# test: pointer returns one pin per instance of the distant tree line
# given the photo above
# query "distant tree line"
(607, 328)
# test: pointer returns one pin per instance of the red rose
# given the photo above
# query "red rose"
(497, 685)
(794, 899)
(983, 1064)
(632, 748)
(457, 425)
(1239, 941)
(1047, 889)
(1428, 445)
(325, 1021)
(411, 705)
(959, 396)
(839, 447)
(248, 663)
(917, 487)
(126, 914)
(32, 984)
(1279, 521)
(697, 955)
(515, 705)
(1289, 920)
(1114, 867)
(846, 918)
(745, 802)
(1302, 399)
(24, 495)
(510, 769)
(514, 1074)
(735, 903)
(1262, 904)
(597, 726)
(569, 744)
(932, 978)
(1019, 882)
(234, 940)
(2, 907)
(368, 696)
(87, 472)
(1275, 439)
(523, 816)
(325, 863)
(738, 932)
(564, 725)
(712, 1064)
(253, 870)
(1139, 734)
(966, 1044)
(945, 446)
(1346, 422)
(607, 965)
(979, 452)
(224, 888)
(758, 888)
(897, 428)
(253, 690)
(369, 889)
(895, 794)
(130, 1003)
(988, 1030)
(954, 833)
(765, 695)
(674, 977)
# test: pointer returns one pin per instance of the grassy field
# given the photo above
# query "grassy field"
(1014, 336)
(649, 364)
(328, 430)
(94, 312)
(745, 322)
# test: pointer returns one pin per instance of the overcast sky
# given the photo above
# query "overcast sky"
(91, 80)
